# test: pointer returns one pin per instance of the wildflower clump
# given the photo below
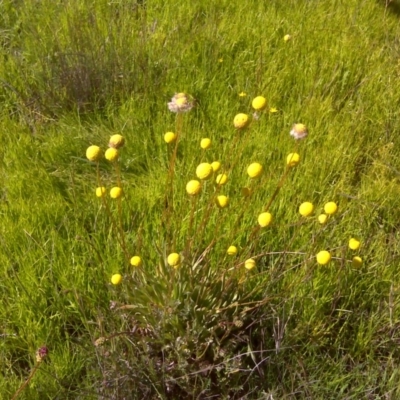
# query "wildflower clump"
(204, 171)
(93, 153)
(169, 137)
(136, 261)
(111, 154)
(101, 191)
(193, 187)
(115, 192)
(254, 170)
(354, 244)
(174, 260)
(116, 279)
(286, 38)
(116, 141)
(322, 218)
(292, 159)
(330, 208)
(299, 131)
(221, 179)
(264, 219)
(323, 257)
(205, 143)
(356, 262)
(222, 201)
(241, 121)
(249, 264)
(232, 250)
(306, 209)
(216, 165)
(259, 103)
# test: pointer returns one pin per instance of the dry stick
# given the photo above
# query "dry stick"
(23, 386)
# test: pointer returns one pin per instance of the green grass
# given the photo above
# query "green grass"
(75, 73)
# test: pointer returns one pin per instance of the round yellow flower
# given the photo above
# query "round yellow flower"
(322, 218)
(205, 143)
(232, 250)
(116, 141)
(170, 137)
(323, 257)
(286, 38)
(115, 192)
(354, 244)
(221, 179)
(259, 103)
(204, 171)
(174, 259)
(249, 264)
(264, 219)
(101, 191)
(93, 153)
(222, 201)
(306, 209)
(215, 165)
(330, 207)
(241, 120)
(111, 154)
(299, 131)
(292, 159)
(254, 170)
(136, 261)
(116, 279)
(193, 187)
(357, 262)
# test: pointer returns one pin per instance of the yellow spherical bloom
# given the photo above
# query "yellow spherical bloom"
(354, 244)
(286, 38)
(116, 279)
(330, 207)
(299, 131)
(93, 153)
(306, 209)
(170, 137)
(254, 170)
(232, 250)
(322, 218)
(222, 201)
(174, 259)
(249, 264)
(264, 219)
(259, 103)
(193, 187)
(111, 154)
(101, 191)
(292, 159)
(116, 141)
(204, 171)
(241, 120)
(215, 165)
(221, 179)
(115, 192)
(357, 262)
(136, 261)
(323, 257)
(205, 143)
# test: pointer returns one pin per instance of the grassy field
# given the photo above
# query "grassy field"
(81, 318)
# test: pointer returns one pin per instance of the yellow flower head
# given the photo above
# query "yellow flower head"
(323, 257)
(170, 137)
(115, 192)
(273, 110)
(330, 207)
(101, 191)
(222, 179)
(354, 244)
(204, 171)
(249, 264)
(215, 165)
(299, 131)
(306, 209)
(116, 279)
(242, 94)
(205, 143)
(254, 170)
(116, 141)
(286, 38)
(111, 154)
(264, 219)
(136, 261)
(322, 218)
(93, 153)
(357, 262)
(232, 250)
(259, 103)
(241, 120)
(292, 159)
(193, 187)
(222, 201)
(174, 260)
